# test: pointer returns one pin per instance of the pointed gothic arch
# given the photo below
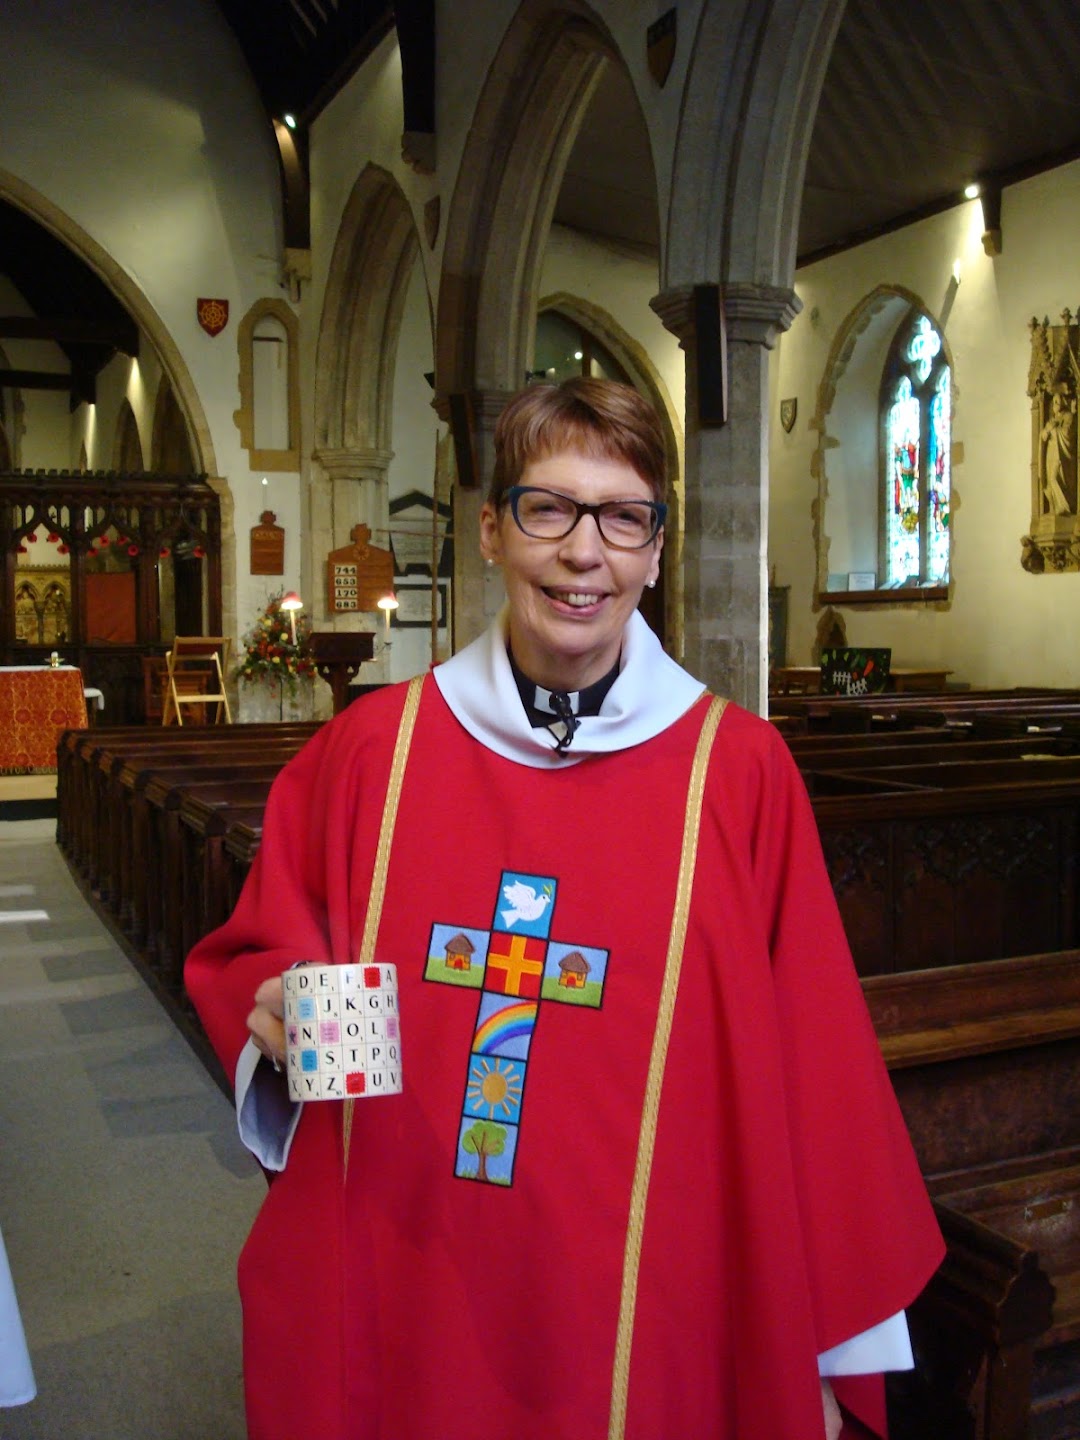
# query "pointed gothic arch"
(170, 446)
(185, 395)
(127, 444)
(744, 136)
(526, 121)
(866, 331)
(53, 219)
(374, 255)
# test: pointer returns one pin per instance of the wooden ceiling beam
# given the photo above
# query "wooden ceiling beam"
(69, 331)
(80, 384)
(35, 380)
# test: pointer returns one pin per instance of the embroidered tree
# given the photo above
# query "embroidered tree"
(482, 1140)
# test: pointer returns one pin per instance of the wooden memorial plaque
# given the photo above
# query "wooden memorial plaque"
(358, 574)
(267, 546)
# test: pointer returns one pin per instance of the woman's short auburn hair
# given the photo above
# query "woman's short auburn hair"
(600, 418)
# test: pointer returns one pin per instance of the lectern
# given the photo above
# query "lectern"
(338, 655)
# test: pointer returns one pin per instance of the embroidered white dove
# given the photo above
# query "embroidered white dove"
(527, 905)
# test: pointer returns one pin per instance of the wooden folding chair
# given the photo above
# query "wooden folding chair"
(195, 675)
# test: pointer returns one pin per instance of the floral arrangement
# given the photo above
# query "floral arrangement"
(278, 647)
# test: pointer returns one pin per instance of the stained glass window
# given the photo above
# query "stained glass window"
(937, 470)
(918, 439)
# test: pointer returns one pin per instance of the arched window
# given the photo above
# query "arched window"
(269, 414)
(565, 348)
(917, 440)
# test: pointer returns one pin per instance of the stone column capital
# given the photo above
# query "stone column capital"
(754, 313)
(361, 462)
(676, 311)
(486, 405)
(759, 313)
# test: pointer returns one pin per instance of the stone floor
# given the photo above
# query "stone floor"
(124, 1193)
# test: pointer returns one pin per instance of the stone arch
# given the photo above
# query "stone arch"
(127, 443)
(740, 161)
(374, 254)
(174, 367)
(170, 447)
(874, 306)
(630, 353)
(528, 116)
(53, 219)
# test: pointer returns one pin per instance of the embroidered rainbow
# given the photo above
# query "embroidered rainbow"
(510, 1023)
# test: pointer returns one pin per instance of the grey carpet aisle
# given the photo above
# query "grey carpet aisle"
(124, 1193)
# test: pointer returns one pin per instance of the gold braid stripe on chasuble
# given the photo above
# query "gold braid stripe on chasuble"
(382, 865)
(650, 1110)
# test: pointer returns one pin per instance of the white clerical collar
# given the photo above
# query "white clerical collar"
(651, 693)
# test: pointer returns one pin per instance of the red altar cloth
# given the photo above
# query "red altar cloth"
(35, 707)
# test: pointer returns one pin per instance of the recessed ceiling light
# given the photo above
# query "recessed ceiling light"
(290, 120)
(971, 192)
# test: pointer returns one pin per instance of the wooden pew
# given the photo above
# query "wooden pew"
(972, 861)
(985, 1061)
(100, 796)
(147, 852)
(876, 713)
(168, 936)
(918, 747)
(241, 844)
(128, 862)
(204, 814)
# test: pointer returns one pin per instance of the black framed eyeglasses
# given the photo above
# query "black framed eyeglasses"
(547, 515)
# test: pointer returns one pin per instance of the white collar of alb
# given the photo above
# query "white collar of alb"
(650, 694)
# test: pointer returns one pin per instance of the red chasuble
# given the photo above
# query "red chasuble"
(467, 1277)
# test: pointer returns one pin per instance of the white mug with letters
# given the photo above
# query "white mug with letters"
(342, 1033)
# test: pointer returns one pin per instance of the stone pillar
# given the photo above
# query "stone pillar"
(478, 591)
(725, 540)
(355, 485)
(348, 487)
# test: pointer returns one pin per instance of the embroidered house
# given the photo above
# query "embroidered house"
(574, 970)
(459, 952)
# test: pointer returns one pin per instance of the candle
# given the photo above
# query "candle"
(386, 603)
(291, 603)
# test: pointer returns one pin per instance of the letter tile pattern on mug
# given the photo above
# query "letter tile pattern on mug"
(342, 1034)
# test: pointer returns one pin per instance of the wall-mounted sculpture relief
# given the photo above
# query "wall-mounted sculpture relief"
(1053, 383)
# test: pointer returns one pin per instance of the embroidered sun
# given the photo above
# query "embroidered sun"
(495, 1085)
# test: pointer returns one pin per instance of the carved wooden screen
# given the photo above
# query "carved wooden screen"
(105, 567)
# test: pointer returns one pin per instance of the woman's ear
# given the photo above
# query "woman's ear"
(490, 539)
(654, 568)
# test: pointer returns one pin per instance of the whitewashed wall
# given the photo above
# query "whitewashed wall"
(1002, 626)
(142, 127)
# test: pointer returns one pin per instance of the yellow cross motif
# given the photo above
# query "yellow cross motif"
(516, 963)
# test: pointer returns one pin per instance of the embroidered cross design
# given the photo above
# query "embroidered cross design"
(518, 969)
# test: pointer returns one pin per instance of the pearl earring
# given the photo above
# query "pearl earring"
(651, 584)
(489, 562)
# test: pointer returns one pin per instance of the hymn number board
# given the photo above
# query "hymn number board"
(358, 574)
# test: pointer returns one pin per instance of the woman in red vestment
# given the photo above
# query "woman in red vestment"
(646, 1176)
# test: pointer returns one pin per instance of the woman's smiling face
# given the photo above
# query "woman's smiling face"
(570, 599)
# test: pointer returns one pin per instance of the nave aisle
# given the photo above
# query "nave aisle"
(124, 1193)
